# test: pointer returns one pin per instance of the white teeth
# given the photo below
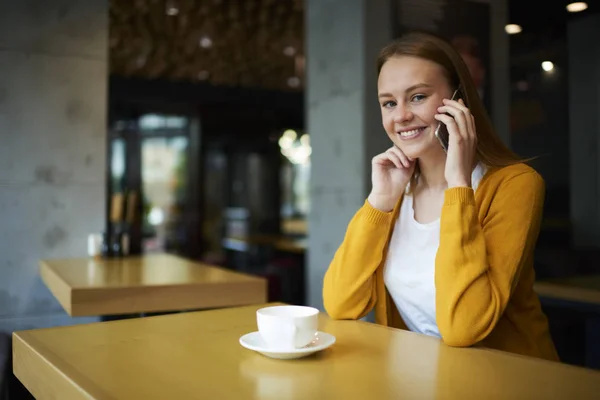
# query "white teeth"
(410, 133)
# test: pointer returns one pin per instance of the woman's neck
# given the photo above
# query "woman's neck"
(432, 169)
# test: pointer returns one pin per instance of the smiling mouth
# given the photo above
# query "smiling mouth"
(412, 133)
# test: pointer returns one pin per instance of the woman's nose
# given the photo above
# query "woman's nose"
(402, 114)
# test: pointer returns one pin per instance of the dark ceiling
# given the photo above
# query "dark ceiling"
(248, 43)
(543, 22)
(544, 35)
(259, 43)
(540, 16)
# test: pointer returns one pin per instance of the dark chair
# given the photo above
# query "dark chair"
(10, 387)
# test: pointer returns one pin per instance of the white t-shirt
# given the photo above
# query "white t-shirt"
(409, 270)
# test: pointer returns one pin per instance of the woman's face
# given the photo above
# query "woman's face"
(410, 91)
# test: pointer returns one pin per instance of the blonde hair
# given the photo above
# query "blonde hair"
(491, 151)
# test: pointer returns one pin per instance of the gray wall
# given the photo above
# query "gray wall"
(343, 119)
(584, 129)
(53, 83)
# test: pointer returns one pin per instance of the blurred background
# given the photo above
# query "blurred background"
(240, 133)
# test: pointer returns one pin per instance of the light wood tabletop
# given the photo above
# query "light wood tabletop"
(149, 283)
(581, 289)
(198, 356)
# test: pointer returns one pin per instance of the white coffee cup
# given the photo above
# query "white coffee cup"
(94, 245)
(287, 327)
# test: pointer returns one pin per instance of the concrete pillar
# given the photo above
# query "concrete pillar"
(53, 80)
(584, 129)
(343, 38)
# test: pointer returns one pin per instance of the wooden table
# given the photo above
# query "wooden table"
(197, 356)
(582, 289)
(150, 283)
(279, 243)
(582, 295)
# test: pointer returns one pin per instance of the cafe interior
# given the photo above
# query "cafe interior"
(169, 167)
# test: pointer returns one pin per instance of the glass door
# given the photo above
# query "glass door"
(164, 183)
(149, 158)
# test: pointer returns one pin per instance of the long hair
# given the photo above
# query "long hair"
(490, 151)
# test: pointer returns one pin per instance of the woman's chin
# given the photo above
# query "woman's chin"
(421, 150)
(412, 151)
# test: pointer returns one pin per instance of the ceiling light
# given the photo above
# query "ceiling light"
(511, 29)
(171, 8)
(203, 75)
(523, 86)
(577, 6)
(140, 61)
(294, 81)
(289, 51)
(547, 66)
(290, 134)
(305, 139)
(205, 42)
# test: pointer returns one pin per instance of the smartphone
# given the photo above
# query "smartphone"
(441, 132)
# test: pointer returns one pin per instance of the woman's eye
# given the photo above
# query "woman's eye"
(389, 104)
(418, 97)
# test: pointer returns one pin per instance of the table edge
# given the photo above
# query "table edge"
(58, 286)
(246, 277)
(247, 294)
(62, 377)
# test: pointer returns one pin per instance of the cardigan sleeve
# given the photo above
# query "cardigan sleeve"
(478, 263)
(349, 283)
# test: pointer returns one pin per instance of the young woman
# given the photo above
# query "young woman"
(444, 243)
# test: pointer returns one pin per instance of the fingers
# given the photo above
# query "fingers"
(459, 117)
(386, 158)
(463, 119)
(453, 130)
(400, 154)
(393, 155)
(470, 120)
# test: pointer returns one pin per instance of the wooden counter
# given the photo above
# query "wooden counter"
(279, 243)
(150, 283)
(579, 297)
(581, 289)
(197, 356)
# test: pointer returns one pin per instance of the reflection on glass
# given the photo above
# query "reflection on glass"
(151, 122)
(164, 182)
(117, 165)
(295, 173)
(301, 188)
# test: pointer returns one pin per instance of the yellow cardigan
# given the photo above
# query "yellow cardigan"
(483, 269)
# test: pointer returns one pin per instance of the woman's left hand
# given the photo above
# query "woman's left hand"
(462, 142)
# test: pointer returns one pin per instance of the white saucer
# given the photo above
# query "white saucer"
(253, 341)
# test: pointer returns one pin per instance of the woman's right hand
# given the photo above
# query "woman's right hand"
(391, 172)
